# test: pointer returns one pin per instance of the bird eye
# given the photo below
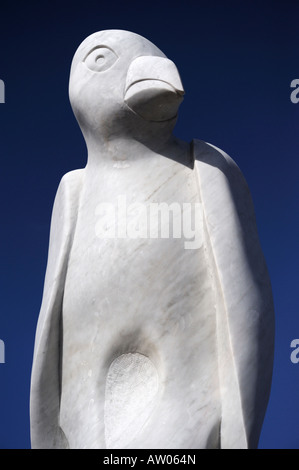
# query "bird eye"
(100, 58)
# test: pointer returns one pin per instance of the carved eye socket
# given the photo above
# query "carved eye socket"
(100, 58)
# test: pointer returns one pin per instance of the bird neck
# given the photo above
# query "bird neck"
(122, 148)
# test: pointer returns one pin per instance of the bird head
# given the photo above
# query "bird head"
(121, 83)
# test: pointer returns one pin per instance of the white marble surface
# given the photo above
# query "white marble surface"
(146, 342)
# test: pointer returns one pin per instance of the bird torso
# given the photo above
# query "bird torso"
(139, 332)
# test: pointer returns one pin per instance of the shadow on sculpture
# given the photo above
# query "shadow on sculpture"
(142, 342)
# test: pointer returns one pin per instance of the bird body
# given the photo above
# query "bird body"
(144, 341)
(136, 296)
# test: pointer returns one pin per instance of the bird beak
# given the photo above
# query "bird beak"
(153, 88)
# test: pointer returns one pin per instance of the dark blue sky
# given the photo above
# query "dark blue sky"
(236, 60)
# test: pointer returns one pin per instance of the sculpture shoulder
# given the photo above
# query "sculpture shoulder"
(66, 203)
(212, 163)
(210, 154)
(69, 190)
(72, 181)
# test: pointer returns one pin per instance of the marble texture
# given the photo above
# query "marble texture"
(142, 341)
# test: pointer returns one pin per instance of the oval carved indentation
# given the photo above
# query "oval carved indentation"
(131, 390)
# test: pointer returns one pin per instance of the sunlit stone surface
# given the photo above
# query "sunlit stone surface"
(156, 326)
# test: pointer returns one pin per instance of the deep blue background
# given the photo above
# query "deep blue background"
(236, 60)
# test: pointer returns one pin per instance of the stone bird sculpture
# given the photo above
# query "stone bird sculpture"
(151, 334)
